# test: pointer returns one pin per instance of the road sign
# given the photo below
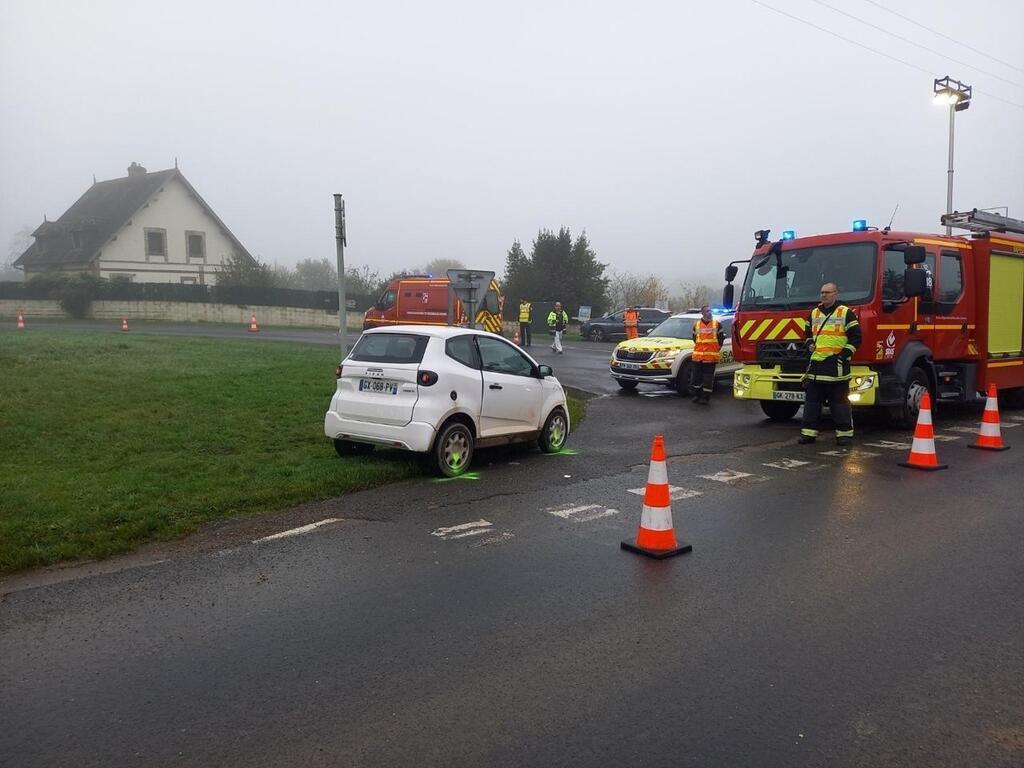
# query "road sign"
(470, 285)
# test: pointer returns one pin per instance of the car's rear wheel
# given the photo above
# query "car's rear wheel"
(351, 448)
(626, 384)
(597, 334)
(453, 450)
(683, 379)
(555, 433)
(779, 410)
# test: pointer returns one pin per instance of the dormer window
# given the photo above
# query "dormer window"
(76, 240)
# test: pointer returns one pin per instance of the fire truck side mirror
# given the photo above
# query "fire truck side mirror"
(915, 282)
(913, 254)
(727, 296)
(730, 273)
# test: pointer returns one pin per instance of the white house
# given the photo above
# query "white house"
(149, 227)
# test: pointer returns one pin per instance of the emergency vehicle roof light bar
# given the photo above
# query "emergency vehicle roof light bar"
(982, 221)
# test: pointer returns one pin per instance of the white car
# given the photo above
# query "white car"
(443, 392)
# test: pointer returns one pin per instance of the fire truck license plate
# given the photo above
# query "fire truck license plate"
(796, 396)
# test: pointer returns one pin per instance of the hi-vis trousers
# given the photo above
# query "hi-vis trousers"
(837, 395)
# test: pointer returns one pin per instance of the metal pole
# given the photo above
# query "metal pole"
(339, 236)
(949, 174)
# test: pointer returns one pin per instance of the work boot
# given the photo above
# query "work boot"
(806, 440)
(844, 441)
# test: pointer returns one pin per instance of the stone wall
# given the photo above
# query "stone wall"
(184, 312)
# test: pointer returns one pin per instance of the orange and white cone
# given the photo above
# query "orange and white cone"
(989, 437)
(253, 328)
(21, 319)
(922, 452)
(124, 323)
(656, 537)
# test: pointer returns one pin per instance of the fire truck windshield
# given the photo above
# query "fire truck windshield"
(794, 279)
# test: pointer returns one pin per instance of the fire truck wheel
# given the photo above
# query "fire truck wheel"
(683, 379)
(779, 410)
(1011, 399)
(904, 415)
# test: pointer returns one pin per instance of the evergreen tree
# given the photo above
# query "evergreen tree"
(557, 269)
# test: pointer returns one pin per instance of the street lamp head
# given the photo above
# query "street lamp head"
(950, 92)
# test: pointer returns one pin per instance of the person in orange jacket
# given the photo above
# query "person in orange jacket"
(632, 317)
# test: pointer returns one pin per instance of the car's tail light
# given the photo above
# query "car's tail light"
(426, 378)
(337, 372)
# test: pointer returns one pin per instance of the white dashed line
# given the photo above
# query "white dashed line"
(503, 536)
(889, 445)
(1005, 425)
(582, 513)
(947, 438)
(731, 476)
(298, 531)
(856, 453)
(462, 531)
(957, 428)
(787, 464)
(675, 493)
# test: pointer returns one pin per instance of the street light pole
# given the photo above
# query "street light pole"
(341, 242)
(949, 173)
(958, 96)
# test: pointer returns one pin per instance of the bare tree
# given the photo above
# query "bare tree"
(692, 295)
(627, 289)
(19, 243)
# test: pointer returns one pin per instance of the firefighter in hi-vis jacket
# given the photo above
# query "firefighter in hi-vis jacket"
(833, 335)
(708, 338)
(525, 318)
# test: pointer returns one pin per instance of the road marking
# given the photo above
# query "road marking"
(731, 476)
(967, 430)
(298, 531)
(582, 513)
(675, 493)
(855, 453)
(657, 394)
(1005, 425)
(462, 531)
(947, 438)
(1016, 418)
(503, 536)
(889, 445)
(786, 464)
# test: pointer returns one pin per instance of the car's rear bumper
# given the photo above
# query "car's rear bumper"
(415, 436)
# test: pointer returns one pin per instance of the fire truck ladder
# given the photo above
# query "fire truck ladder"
(982, 221)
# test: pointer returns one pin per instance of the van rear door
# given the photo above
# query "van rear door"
(378, 378)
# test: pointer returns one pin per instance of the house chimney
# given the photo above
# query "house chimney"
(136, 170)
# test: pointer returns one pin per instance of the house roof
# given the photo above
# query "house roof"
(77, 236)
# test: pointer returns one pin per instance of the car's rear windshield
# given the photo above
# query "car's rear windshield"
(389, 348)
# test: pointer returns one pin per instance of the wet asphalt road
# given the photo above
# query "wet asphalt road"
(837, 610)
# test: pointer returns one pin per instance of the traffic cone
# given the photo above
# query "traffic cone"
(253, 328)
(922, 452)
(656, 537)
(124, 323)
(989, 437)
(21, 319)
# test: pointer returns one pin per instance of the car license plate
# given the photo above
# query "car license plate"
(795, 396)
(629, 366)
(378, 385)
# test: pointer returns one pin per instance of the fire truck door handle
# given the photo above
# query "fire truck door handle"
(963, 328)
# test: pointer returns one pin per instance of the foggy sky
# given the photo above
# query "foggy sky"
(669, 131)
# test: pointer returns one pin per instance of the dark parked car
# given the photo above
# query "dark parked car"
(612, 327)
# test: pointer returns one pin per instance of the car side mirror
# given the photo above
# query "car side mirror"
(727, 295)
(543, 371)
(730, 273)
(914, 254)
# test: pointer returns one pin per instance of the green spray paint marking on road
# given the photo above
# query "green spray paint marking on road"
(467, 476)
(564, 452)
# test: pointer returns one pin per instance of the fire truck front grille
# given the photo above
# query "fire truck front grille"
(791, 356)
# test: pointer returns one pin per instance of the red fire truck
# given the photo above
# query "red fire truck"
(939, 313)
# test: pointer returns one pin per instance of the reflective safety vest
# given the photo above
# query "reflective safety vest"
(705, 344)
(524, 311)
(632, 318)
(828, 333)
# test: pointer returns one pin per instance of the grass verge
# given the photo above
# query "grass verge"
(109, 441)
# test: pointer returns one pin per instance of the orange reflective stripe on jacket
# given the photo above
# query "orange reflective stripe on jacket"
(632, 318)
(705, 345)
